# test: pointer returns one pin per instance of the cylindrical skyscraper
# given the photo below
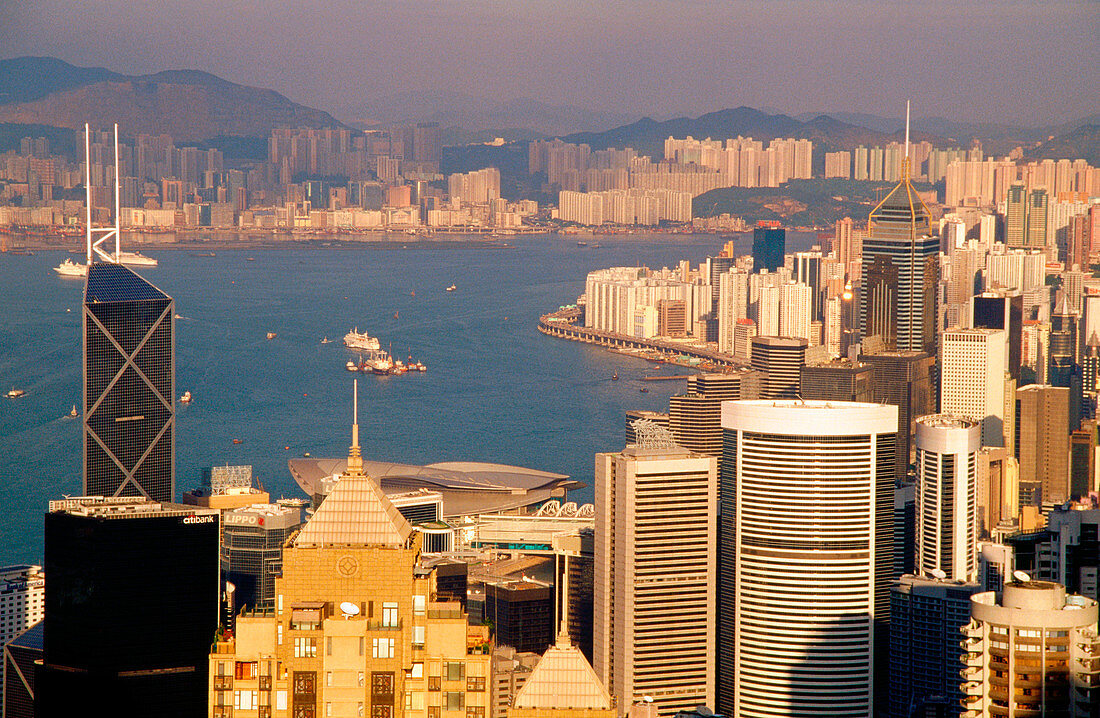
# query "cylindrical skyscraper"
(947, 524)
(805, 567)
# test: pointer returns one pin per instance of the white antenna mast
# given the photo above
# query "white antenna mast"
(92, 241)
(907, 128)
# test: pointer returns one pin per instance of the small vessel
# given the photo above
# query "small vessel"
(73, 412)
(236, 441)
(186, 398)
(352, 366)
(615, 376)
(69, 268)
(203, 254)
(412, 293)
(395, 315)
(15, 393)
(582, 244)
(250, 259)
(644, 390)
(326, 340)
(451, 288)
(596, 245)
(271, 335)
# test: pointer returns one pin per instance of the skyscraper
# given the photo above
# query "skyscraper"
(972, 379)
(780, 360)
(1042, 444)
(132, 591)
(947, 526)
(1002, 309)
(656, 571)
(769, 244)
(899, 230)
(925, 617)
(1016, 216)
(129, 386)
(1031, 651)
(805, 591)
(904, 379)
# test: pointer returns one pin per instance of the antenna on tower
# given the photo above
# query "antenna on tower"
(92, 241)
(907, 129)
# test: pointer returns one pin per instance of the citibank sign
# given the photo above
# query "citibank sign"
(204, 519)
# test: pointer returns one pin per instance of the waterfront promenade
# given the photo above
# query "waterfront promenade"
(563, 324)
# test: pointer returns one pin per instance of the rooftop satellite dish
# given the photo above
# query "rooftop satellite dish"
(1021, 576)
(349, 609)
(939, 573)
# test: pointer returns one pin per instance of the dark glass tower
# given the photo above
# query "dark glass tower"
(769, 244)
(132, 592)
(129, 386)
(899, 231)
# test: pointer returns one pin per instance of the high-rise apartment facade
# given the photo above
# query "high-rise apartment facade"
(947, 526)
(1042, 443)
(129, 386)
(1030, 650)
(804, 592)
(21, 599)
(656, 574)
(769, 243)
(780, 359)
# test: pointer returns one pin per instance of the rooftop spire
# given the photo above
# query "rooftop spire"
(355, 456)
(907, 129)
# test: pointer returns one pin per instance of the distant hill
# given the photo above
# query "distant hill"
(1081, 143)
(190, 105)
(647, 136)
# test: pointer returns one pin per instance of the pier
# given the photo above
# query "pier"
(563, 324)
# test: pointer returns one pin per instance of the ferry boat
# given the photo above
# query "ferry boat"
(15, 393)
(137, 259)
(69, 268)
(361, 340)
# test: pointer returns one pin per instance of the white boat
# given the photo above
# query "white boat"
(69, 268)
(352, 366)
(73, 412)
(361, 340)
(451, 288)
(136, 259)
(271, 335)
(15, 393)
(186, 398)
(326, 340)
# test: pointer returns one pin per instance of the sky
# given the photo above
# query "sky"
(1024, 63)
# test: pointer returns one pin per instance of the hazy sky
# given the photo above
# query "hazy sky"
(991, 60)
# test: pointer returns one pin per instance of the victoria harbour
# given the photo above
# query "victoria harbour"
(495, 390)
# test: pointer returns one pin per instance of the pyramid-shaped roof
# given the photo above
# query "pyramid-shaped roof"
(563, 679)
(356, 513)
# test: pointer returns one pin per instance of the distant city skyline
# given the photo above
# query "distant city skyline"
(1029, 64)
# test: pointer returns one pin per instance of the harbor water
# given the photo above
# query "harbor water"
(495, 389)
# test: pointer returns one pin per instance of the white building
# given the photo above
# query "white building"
(656, 574)
(795, 302)
(972, 379)
(22, 599)
(947, 525)
(806, 589)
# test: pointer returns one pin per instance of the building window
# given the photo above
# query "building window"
(417, 671)
(418, 636)
(362, 644)
(434, 683)
(381, 688)
(419, 605)
(280, 700)
(433, 711)
(305, 647)
(455, 671)
(244, 700)
(454, 700)
(381, 712)
(245, 670)
(279, 634)
(383, 648)
(475, 712)
(389, 615)
(328, 646)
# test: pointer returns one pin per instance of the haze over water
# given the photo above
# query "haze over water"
(496, 390)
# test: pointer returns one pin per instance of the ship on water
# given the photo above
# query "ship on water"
(362, 341)
(69, 268)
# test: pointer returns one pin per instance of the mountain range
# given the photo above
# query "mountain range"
(197, 107)
(188, 104)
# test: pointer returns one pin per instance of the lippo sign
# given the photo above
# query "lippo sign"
(243, 520)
